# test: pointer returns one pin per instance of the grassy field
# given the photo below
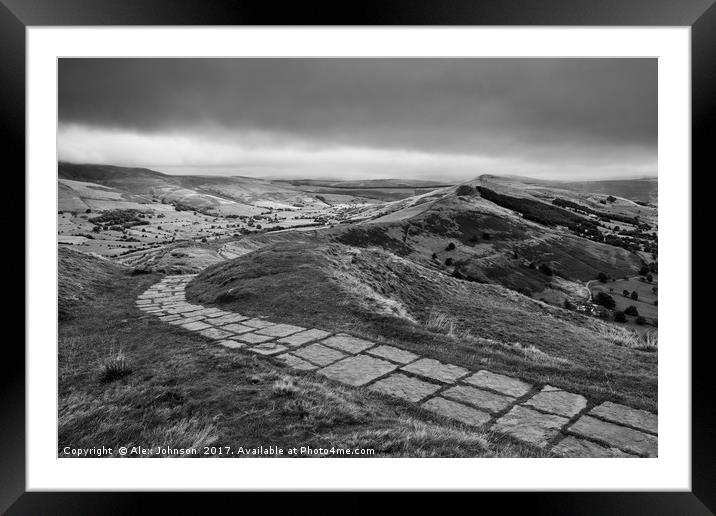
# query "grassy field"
(172, 387)
(644, 304)
(379, 296)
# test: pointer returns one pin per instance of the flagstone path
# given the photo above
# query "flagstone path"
(545, 416)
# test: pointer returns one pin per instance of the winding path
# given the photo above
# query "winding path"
(565, 423)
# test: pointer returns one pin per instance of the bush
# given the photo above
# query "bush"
(435, 256)
(625, 293)
(450, 247)
(649, 278)
(602, 277)
(641, 320)
(620, 317)
(465, 190)
(448, 262)
(545, 269)
(635, 295)
(631, 310)
(605, 300)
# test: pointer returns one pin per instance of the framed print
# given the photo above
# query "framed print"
(413, 249)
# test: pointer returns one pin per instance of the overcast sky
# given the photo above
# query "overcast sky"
(450, 119)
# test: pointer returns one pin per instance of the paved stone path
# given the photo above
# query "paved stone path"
(545, 416)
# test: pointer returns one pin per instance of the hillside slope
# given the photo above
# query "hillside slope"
(379, 295)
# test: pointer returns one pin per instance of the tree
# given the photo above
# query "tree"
(602, 277)
(450, 247)
(620, 317)
(631, 310)
(635, 295)
(605, 300)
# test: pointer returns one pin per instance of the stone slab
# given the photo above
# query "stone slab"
(393, 354)
(556, 401)
(530, 426)
(304, 337)
(347, 343)
(319, 355)
(357, 370)
(500, 383)
(457, 411)
(572, 446)
(168, 318)
(483, 399)
(405, 387)
(258, 323)
(195, 326)
(229, 343)
(269, 348)
(429, 368)
(235, 327)
(228, 319)
(295, 362)
(616, 436)
(624, 415)
(216, 333)
(280, 330)
(252, 338)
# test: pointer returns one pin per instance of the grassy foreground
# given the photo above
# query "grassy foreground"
(176, 389)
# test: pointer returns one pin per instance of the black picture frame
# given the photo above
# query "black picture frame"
(700, 15)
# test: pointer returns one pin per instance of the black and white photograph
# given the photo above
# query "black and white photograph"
(357, 257)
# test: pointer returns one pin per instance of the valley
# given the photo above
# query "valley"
(503, 273)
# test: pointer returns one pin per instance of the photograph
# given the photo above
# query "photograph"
(357, 257)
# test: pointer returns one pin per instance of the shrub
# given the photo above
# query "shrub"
(620, 317)
(605, 300)
(641, 320)
(435, 256)
(635, 295)
(448, 262)
(625, 293)
(465, 190)
(602, 277)
(450, 247)
(649, 278)
(545, 269)
(631, 310)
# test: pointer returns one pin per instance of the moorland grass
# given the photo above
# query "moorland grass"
(399, 303)
(185, 391)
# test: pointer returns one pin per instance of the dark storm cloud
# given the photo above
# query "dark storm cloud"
(465, 105)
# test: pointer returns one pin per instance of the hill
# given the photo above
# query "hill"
(173, 388)
(379, 295)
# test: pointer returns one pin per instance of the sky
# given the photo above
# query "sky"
(437, 119)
